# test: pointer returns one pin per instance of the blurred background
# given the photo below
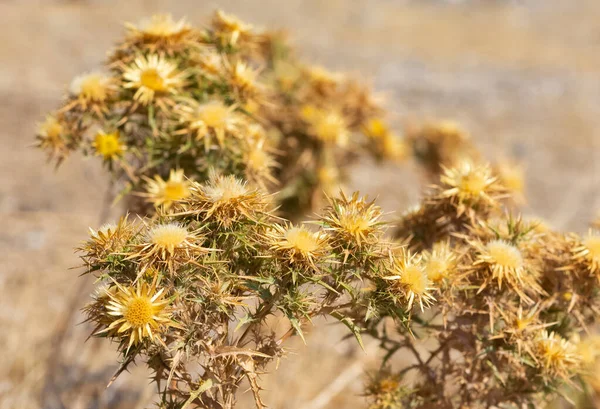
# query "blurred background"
(521, 76)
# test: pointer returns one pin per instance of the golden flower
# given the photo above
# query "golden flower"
(167, 243)
(50, 135)
(471, 183)
(51, 128)
(556, 356)
(328, 127)
(393, 148)
(512, 177)
(506, 263)
(329, 179)
(137, 313)
(210, 61)
(376, 128)
(588, 251)
(152, 75)
(92, 88)
(164, 193)
(159, 27)
(353, 221)
(408, 276)
(230, 29)
(225, 199)
(212, 119)
(108, 145)
(322, 80)
(166, 238)
(242, 79)
(108, 239)
(298, 245)
(440, 262)
(259, 163)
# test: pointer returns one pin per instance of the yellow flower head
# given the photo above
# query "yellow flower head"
(50, 136)
(243, 80)
(152, 75)
(211, 120)
(298, 245)
(159, 27)
(137, 313)
(230, 29)
(353, 221)
(168, 237)
(168, 244)
(164, 193)
(108, 145)
(109, 238)
(259, 163)
(505, 263)
(225, 199)
(393, 148)
(512, 177)
(329, 127)
(322, 80)
(471, 183)
(51, 128)
(588, 250)
(556, 356)
(376, 128)
(408, 276)
(92, 88)
(440, 262)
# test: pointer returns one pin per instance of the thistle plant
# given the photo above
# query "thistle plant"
(222, 132)
(190, 291)
(173, 102)
(515, 301)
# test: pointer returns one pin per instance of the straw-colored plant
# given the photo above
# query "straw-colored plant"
(222, 129)
(173, 98)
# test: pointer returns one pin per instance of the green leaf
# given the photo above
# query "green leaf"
(348, 322)
(297, 327)
(204, 386)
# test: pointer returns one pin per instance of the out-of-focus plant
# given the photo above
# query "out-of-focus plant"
(514, 298)
(173, 98)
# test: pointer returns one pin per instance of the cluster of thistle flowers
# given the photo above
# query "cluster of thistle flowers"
(191, 290)
(445, 144)
(515, 301)
(176, 101)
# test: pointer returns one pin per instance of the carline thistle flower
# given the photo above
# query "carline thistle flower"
(298, 245)
(152, 76)
(93, 88)
(587, 251)
(353, 219)
(137, 313)
(506, 263)
(164, 193)
(408, 276)
(109, 145)
(225, 200)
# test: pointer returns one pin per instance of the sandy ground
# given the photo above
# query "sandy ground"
(521, 76)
